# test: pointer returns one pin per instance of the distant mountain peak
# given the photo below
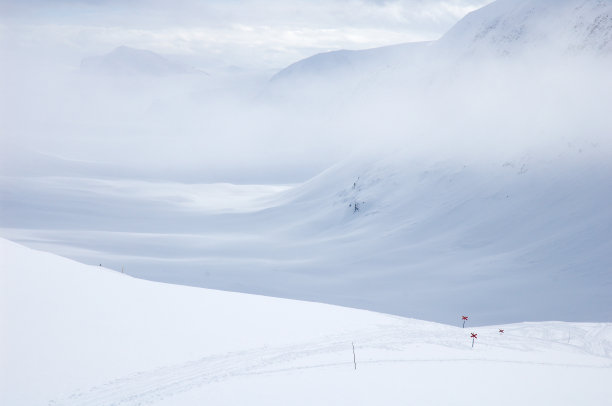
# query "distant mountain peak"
(125, 60)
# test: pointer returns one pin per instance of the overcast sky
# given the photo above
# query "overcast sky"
(247, 33)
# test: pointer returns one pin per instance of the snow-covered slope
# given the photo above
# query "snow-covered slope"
(339, 77)
(507, 27)
(514, 235)
(84, 335)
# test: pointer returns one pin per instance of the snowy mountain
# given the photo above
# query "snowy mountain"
(482, 184)
(502, 28)
(130, 61)
(85, 335)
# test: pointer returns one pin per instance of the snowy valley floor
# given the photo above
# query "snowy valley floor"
(73, 334)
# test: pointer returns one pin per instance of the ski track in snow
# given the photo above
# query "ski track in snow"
(151, 386)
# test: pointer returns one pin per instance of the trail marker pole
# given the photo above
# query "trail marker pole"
(464, 318)
(501, 331)
(474, 337)
(354, 359)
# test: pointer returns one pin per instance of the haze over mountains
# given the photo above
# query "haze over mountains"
(129, 61)
(480, 165)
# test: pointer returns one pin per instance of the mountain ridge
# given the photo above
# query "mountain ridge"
(501, 28)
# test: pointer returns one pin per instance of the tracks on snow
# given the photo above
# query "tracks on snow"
(154, 385)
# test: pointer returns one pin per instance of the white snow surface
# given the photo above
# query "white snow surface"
(74, 334)
(507, 27)
(519, 237)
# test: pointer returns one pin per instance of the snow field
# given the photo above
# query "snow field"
(84, 335)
